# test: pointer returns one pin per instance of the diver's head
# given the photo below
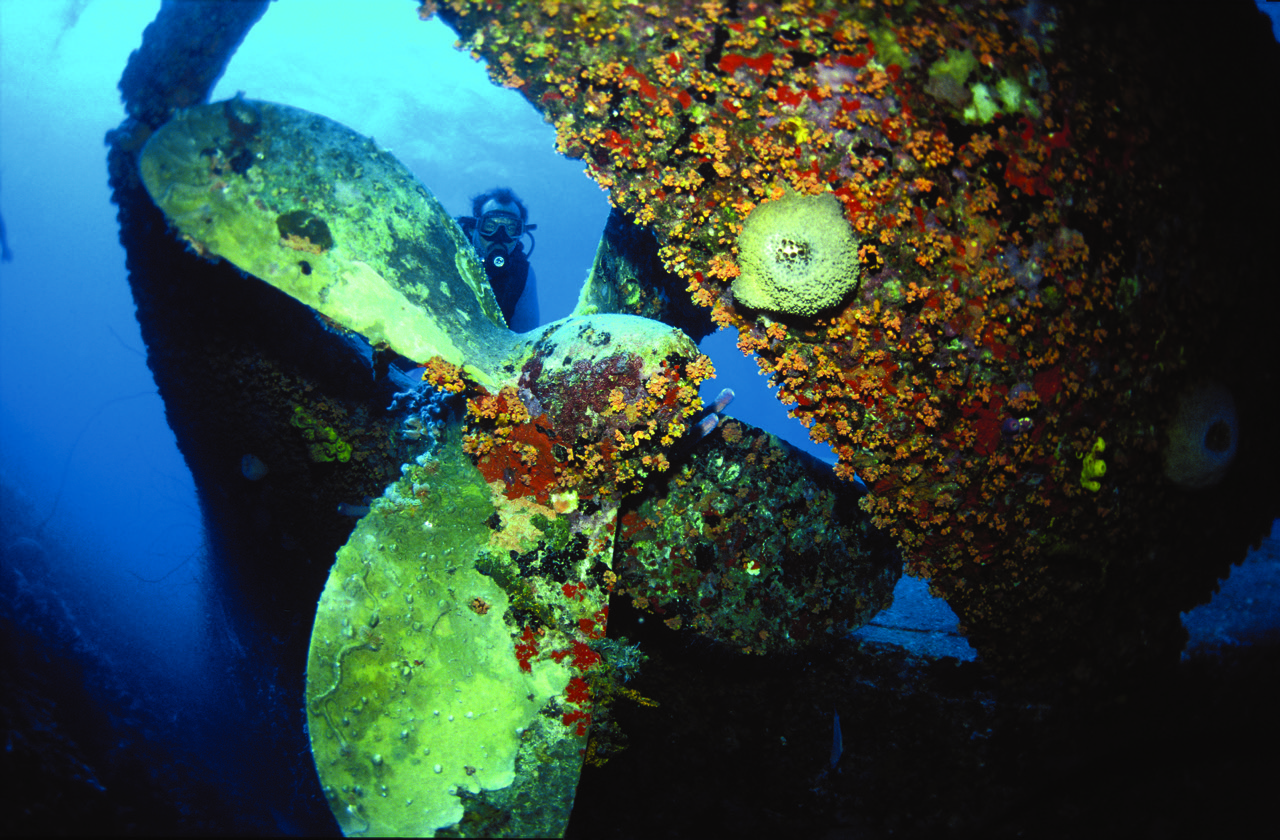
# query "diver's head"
(500, 222)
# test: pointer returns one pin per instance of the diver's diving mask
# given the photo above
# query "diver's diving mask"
(491, 223)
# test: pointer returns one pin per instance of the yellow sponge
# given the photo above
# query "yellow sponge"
(797, 254)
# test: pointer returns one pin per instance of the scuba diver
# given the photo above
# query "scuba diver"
(498, 222)
(495, 229)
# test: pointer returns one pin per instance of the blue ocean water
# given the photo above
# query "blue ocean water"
(104, 556)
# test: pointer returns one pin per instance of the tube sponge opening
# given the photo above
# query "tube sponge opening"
(797, 255)
(1202, 437)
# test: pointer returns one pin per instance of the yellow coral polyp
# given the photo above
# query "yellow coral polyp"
(700, 369)
(442, 375)
(1094, 467)
(656, 386)
(325, 444)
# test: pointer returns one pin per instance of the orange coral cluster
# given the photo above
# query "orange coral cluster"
(601, 429)
(443, 376)
(989, 342)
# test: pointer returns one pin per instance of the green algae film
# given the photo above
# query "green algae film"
(414, 697)
(323, 214)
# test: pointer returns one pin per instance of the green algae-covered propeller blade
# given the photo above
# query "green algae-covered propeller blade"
(448, 681)
(424, 711)
(454, 663)
(323, 214)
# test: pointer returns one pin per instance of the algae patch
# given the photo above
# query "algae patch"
(414, 697)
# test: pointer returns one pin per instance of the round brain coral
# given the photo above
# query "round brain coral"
(797, 254)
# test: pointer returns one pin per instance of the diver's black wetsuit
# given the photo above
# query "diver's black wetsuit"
(508, 281)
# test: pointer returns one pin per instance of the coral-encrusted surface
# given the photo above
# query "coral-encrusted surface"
(1048, 257)
(755, 544)
(598, 402)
